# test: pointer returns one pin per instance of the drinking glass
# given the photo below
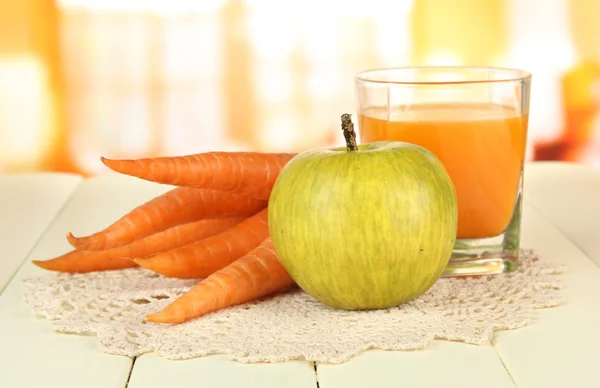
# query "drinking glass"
(474, 119)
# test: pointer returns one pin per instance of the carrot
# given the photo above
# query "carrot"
(250, 173)
(255, 275)
(119, 258)
(201, 258)
(175, 207)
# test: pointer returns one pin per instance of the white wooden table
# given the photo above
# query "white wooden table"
(561, 221)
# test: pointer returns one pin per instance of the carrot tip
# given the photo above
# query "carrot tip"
(71, 239)
(105, 161)
(157, 318)
(142, 263)
(41, 264)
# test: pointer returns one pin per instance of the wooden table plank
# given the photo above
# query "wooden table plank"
(151, 371)
(561, 349)
(28, 204)
(558, 190)
(32, 355)
(442, 364)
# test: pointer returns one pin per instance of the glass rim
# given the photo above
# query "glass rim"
(513, 75)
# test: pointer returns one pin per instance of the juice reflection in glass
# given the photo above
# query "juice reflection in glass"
(475, 121)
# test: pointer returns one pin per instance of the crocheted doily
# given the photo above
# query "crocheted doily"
(292, 325)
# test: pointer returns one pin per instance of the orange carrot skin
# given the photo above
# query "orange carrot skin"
(84, 262)
(202, 258)
(175, 207)
(121, 257)
(250, 173)
(253, 276)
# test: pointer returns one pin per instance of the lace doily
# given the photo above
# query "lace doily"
(112, 305)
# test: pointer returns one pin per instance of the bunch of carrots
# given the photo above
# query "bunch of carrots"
(211, 226)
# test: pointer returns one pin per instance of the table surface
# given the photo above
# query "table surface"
(561, 349)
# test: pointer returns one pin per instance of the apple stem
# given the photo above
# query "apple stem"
(349, 134)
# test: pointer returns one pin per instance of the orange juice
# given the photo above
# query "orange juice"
(481, 145)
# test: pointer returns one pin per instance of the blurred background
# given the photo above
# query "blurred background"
(133, 78)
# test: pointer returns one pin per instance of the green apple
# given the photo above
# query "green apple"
(364, 227)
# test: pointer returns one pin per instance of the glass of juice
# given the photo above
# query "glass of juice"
(474, 119)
